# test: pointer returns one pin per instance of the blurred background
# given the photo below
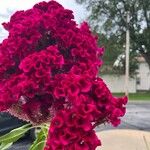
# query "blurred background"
(122, 26)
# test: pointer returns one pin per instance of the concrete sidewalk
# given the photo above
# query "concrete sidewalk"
(123, 139)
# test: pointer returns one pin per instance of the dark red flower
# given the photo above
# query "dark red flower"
(48, 72)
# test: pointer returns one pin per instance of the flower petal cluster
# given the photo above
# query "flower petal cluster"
(72, 128)
(49, 73)
(74, 132)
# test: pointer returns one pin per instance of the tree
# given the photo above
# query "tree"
(114, 56)
(109, 17)
(111, 50)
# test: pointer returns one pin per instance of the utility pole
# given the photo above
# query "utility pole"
(127, 56)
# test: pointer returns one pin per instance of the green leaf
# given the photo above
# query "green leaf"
(39, 146)
(15, 134)
(40, 140)
(5, 146)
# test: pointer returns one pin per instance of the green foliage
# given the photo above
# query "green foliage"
(141, 96)
(8, 139)
(133, 64)
(5, 146)
(109, 17)
(113, 51)
(40, 140)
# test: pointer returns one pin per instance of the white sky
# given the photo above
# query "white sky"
(8, 7)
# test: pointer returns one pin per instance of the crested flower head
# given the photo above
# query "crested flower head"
(49, 72)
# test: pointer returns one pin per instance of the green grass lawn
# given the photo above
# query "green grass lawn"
(144, 96)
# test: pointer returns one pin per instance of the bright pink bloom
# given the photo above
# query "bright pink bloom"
(48, 72)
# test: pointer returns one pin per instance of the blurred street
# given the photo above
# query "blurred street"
(137, 117)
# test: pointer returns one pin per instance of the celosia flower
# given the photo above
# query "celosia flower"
(48, 73)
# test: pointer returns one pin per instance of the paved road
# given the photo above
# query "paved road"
(137, 117)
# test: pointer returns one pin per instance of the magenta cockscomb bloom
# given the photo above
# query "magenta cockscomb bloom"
(72, 127)
(49, 73)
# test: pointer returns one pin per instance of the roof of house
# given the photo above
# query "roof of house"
(141, 59)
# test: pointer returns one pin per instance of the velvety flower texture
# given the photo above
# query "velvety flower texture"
(49, 73)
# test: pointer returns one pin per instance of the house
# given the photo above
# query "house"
(143, 76)
(140, 82)
(116, 83)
